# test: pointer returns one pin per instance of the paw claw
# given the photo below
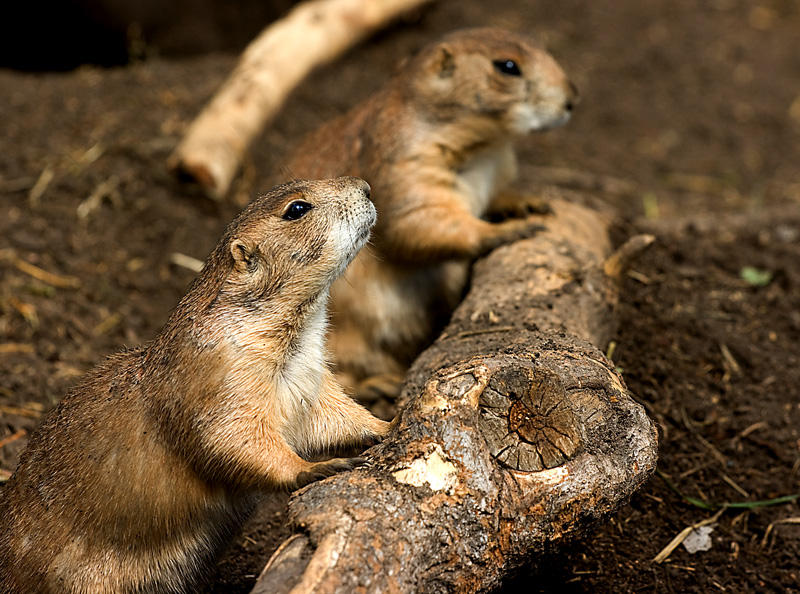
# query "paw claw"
(328, 468)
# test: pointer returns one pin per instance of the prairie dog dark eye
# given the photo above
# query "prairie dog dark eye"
(296, 209)
(507, 67)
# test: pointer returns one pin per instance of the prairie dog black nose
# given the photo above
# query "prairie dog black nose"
(356, 182)
(573, 97)
(363, 186)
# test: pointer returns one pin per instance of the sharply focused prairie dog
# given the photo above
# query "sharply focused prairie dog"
(140, 474)
(435, 143)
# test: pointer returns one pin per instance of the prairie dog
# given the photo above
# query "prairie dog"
(435, 143)
(137, 478)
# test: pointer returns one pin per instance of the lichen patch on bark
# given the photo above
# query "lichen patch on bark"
(432, 469)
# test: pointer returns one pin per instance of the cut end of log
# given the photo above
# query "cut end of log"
(195, 173)
(528, 421)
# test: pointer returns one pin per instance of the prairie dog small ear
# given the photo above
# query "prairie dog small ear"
(242, 254)
(443, 62)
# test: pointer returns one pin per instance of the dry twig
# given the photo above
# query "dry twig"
(681, 536)
(13, 437)
(8, 348)
(185, 261)
(59, 281)
(20, 411)
(771, 527)
(39, 188)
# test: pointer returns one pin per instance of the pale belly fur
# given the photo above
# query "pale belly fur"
(400, 306)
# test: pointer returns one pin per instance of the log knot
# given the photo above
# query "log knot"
(528, 420)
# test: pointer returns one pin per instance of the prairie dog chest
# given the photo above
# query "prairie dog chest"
(484, 173)
(299, 383)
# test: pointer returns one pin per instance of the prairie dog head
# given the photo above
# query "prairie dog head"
(294, 241)
(497, 75)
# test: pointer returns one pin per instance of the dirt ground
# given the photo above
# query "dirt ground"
(689, 124)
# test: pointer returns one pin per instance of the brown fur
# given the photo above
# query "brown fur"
(143, 470)
(435, 144)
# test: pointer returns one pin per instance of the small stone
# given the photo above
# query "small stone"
(699, 539)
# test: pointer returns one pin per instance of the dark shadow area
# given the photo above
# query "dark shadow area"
(54, 35)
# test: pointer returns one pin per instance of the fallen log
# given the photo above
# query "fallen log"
(313, 33)
(516, 433)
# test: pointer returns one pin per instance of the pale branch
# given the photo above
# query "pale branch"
(313, 33)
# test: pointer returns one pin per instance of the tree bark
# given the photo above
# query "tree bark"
(516, 433)
(313, 33)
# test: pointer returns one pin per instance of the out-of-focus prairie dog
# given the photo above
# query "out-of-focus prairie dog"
(435, 143)
(137, 478)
